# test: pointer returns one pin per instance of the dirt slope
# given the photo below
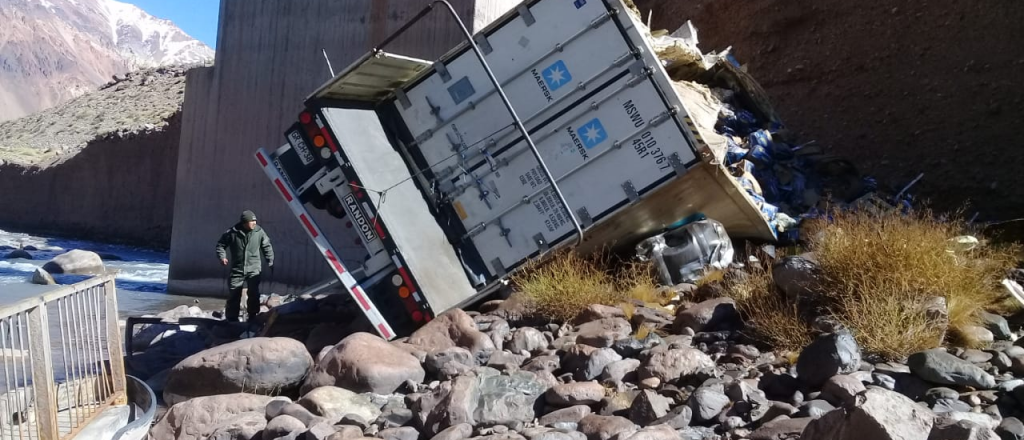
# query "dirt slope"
(901, 88)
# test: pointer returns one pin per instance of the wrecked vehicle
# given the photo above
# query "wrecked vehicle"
(556, 126)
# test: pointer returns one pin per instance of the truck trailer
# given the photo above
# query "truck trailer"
(556, 126)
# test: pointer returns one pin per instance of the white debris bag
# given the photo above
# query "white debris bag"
(684, 254)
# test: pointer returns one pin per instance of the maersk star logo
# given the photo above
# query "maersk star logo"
(592, 133)
(556, 75)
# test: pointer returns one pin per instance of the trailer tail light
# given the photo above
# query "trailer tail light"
(315, 130)
(407, 292)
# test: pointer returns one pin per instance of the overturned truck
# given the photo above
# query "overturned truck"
(556, 126)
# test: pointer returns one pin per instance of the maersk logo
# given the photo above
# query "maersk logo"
(592, 133)
(556, 75)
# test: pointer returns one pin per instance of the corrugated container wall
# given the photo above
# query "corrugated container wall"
(268, 59)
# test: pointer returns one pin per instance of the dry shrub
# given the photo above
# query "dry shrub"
(770, 318)
(879, 269)
(560, 288)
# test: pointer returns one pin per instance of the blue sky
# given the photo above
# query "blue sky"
(197, 18)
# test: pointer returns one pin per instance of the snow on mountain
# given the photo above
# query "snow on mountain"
(52, 51)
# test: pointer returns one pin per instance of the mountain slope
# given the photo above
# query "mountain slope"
(54, 50)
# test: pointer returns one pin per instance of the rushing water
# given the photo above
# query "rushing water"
(141, 279)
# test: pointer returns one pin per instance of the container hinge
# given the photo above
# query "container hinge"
(660, 118)
(630, 191)
(427, 134)
(525, 13)
(541, 243)
(499, 267)
(585, 219)
(481, 41)
(434, 109)
(677, 164)
(403, 98)
(442, 70)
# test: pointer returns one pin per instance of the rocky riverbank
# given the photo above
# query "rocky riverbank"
(612, 373)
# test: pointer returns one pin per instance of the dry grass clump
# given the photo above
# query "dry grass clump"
(560, 288)
(879, 270)
(769, 317)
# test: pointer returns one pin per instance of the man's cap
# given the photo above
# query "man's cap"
(248, 216)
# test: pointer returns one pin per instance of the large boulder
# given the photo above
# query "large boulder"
(998, 325)
(454, 328)
(878, 415)
(528, 339)
(938, 366)
(706, 403)
(365, 363)
(962, 430)
(575, 393)
(483, 397)
(198, 418)
(333, 403)
(672, 364)
(798, 277)
(827, 356)
(597, 427)
(708, 316)
(42, 277)
(76, 262)
(255, 365)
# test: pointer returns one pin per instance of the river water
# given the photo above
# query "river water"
(141, 279)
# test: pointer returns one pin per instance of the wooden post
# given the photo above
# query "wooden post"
(42, 373)
(114, 348)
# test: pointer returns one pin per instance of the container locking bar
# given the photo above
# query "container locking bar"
(504, 99)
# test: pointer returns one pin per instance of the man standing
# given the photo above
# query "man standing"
(241, 247)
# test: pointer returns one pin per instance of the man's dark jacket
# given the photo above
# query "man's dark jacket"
(242, 249)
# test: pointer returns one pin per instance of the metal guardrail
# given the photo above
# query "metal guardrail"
(62, 361)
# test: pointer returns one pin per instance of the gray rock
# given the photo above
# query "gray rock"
(320, 431)
(707, 316)
(42, 277)
(976, 356)
(655, 432)
(982, 419)
(1001, 361)
(706, 403)
(396, 417)
(365, 363)
(841, 389)
(962, 430)
(939, 367)
(572, 414)
(460, 431)
(255, 365)
(595, 364)
(777, 409)
(884, 380)
(672, 364)
(797, 277)
(619, 370)
(677, 418)
(449, 362)
(575, 393)
(936, 394)
(1011, 428)
(779, 386)
(943, 406)
(649, 406)
(827, 356)
(77, 262)
(506, 361)
(554, 435)
(18, 253)
(454, 328)
(784, 428)
(403, 433)
(603, 332)
(283, 426)
(595, 312)
(346, 432)
(815, 409)
(631, 346)
(597, 427)
(997, 325)
(978, 334)
(528, 339)
(484, 398)
(879, 415)
(698, 433)
(544, 363)
(244, 426)
(333, 403)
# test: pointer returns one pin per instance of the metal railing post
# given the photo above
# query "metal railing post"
(114, 348)
(42, 373)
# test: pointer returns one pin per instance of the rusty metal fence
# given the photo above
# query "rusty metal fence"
(62, 361)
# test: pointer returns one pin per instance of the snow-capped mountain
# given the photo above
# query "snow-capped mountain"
(55, 50)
